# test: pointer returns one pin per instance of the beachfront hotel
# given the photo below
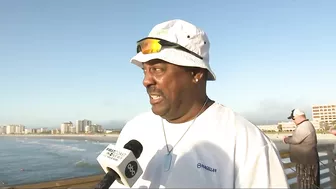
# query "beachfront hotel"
(12, 129)
(66, 127)
(324, 113)
(81, 125)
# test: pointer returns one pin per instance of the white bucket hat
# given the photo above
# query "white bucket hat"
(185, 34)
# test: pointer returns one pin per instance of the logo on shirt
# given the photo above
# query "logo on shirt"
(202, 166)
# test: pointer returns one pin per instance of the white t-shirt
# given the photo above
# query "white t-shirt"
(220, 150)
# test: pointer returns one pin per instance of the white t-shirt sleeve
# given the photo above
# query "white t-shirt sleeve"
(263, 169)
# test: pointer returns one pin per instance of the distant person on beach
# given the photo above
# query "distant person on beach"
(279, 129)
(303, 150)
(189, 140)
(332, 131)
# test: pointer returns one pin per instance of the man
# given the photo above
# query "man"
(189, 140)
(332, 131)
(303, 151)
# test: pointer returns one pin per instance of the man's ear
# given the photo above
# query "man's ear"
(198, 75)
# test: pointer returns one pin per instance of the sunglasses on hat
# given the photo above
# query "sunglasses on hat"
(155, 45)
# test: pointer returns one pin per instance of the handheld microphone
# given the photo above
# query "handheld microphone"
(120, 164)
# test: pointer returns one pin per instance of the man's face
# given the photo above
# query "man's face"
(298, 119)
(169, 88)
(295, 121)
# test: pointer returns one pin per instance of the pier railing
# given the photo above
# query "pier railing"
(72, 183)
(327, 177)
(327, 167)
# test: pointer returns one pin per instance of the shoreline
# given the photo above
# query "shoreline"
(93, 137)
(112, 138)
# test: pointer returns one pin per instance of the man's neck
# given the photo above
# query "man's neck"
(301, 121)
(195, 110)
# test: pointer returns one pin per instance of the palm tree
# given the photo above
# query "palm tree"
(333, 124)
(279, 128)
(325, 126)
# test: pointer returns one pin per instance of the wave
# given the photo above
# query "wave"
(52, 153)
(44, 159)
(31, 142)
(60, 146)
(102, 143)
(83, 164)
(65, 147)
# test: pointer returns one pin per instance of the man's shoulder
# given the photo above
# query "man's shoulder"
(308, 122)
(141, 119)
(242, 127)
(143, 116)
(137, 126)
(225, 114)
(307, 125)
(245, 133)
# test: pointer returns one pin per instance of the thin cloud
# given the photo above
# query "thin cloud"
(272, 111)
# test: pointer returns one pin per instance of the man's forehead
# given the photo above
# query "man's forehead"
(155, 61)
(158, 62)
(165, 63)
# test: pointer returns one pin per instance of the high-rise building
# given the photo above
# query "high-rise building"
(81, 124)
(324, 113)
(2, 130)
(10, 129)
(87, 122)
(88, 129)
(65, 127)
(13, 129)
(19, 129)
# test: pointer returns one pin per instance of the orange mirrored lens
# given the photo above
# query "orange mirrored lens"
(148, 46)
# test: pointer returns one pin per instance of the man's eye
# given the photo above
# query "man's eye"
(156, 69)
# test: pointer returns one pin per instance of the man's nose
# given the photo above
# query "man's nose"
(148, 79)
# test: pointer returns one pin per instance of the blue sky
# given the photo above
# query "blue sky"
(67, 60)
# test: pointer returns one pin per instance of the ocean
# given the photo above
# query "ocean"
(26, 160)
(31, 160)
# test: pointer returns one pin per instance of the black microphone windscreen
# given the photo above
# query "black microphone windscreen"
(135, 146)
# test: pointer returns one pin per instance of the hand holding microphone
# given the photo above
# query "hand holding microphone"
(120, 164)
